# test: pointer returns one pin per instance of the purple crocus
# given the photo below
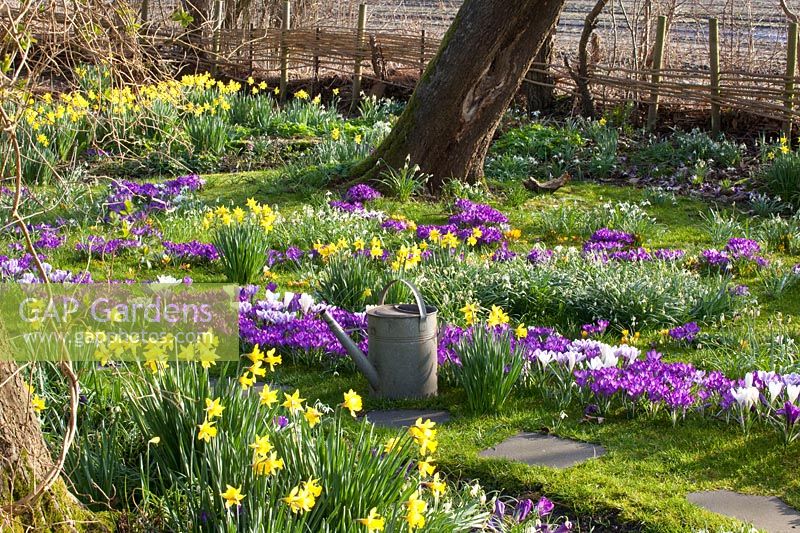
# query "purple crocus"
(544, 506)
(789, 411)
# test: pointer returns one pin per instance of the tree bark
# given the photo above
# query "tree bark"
(539, 90)
(25, 462)
(451, 118)
(582, 77)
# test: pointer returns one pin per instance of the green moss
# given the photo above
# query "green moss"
(56, 511)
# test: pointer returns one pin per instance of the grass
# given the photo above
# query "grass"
(642, 480)
(649, 467)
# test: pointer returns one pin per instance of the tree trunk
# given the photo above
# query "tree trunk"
(451, 118)
(25, 461)
(539, 90)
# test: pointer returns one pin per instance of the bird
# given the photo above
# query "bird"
(550, 186)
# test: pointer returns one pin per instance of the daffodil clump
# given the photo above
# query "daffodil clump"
(273, 461)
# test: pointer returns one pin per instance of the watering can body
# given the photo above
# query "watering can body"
(402, 340)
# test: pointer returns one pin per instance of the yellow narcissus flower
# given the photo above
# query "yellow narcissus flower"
(312, 416)
(268, 396)
(256, 354)
(336, 92)
(262, 445)
(424, 435)
(426, 467)
(207, 431)
(497, 317)
(267, 465)
(273, 359)
(246, 381)
(414, 509)
(521, 332)
(373, 521)
(214, 408)
(257, 369)
(391, 444)
(293, 402)
(232, 496)
(352, 402)
(38, 403)
(313, 487)
(437, 486)
(470, 311)
(335, 134)
(301, 95)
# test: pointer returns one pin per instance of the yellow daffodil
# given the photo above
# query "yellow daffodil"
(267, 465)
(246, 381)
(207, 431)
(312, 416)
(352, 402)
(391, 444)
(38, 403)
(521, 332)
(293, 402)
(232, 496)
(373, 521)
(426, 467)
(437, 486)
(497, 317)
(470, 311)
(273, 359)
(414, 509)
(268, 396)
(262, 445)
(214, 408)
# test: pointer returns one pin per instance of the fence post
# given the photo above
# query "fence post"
(713, 49)
(216, 41)
(422, 54)
(144, 12)
(251, 53)
(286, 25)
(362, 25)
(791, 70)
(316, 59)
(658, 58)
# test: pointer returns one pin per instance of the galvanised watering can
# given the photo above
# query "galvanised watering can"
(402, 361)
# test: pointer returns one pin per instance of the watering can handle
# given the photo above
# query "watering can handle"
(417, 296)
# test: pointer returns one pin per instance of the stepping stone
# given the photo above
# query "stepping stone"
(769, 514)
(537, 449)
(403, 418)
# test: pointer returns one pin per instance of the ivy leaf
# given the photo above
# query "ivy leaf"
(182, 17)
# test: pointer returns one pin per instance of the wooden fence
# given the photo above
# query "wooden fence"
(307, 52)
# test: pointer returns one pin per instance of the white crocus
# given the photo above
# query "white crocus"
(544, 357)
(775, 388)
(792, 392)
(306, 301)
(287, 298)
(746, 396)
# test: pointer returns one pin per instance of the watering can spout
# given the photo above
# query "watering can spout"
(353, 351)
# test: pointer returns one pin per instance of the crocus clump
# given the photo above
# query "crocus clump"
(149, 196)
(537, 256)
(685, 333)
(191, 251)
(354, 199)
(737, 252)
(469, 213)
(96, 245)
(292, 322)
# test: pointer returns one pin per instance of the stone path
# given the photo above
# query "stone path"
(402, 418)
(537, 449)
(769, 514)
